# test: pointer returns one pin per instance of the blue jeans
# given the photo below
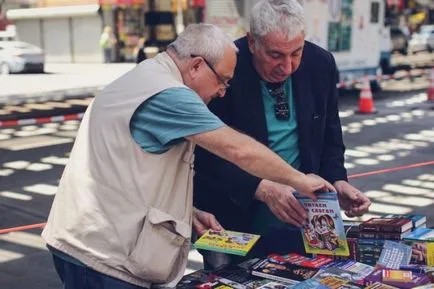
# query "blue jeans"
(80, 277)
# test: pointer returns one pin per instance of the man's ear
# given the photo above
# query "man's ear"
(251, 42)
(195, 64)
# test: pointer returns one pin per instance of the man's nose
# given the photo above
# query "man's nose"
(221, 92)
(286, 66)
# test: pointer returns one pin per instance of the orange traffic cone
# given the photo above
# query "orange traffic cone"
(430, 91)
(366, 103)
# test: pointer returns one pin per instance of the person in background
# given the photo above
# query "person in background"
(107, 41)
(284, 95)
(123, 213)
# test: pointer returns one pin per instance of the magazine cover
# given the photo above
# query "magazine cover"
(229, 242)
(324, 233)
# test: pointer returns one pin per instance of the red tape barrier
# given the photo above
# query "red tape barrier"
(40, 120)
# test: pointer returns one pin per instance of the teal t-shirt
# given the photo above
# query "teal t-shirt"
(166, 118)
(283, 140)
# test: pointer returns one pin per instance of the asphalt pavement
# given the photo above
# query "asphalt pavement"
(399, 139)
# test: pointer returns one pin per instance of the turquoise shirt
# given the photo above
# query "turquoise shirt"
(166, 118)
(283, 140)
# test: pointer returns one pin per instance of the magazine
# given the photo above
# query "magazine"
(284, 272)
(229, 242)
(324, 233)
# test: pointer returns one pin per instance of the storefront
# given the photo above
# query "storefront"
(126, 17)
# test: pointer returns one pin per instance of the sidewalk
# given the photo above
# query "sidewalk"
(60, 81)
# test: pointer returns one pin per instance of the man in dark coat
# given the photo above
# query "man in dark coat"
(284, 95)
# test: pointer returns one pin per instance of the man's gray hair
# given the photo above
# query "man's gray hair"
(204, 40)
(283, 16)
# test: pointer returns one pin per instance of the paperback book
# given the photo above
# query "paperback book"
(284, 272)
(229, 242)
(417, 220)
(397, 225)
(324, 233)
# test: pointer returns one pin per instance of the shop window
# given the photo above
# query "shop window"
(339, 29)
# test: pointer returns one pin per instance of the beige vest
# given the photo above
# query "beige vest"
(119, 210)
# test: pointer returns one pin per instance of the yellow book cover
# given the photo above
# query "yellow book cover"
(397, 275)
(229, 242)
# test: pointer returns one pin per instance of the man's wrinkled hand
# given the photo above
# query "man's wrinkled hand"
(310, 184)
(353, 201)
(282, 203)
(203, 221)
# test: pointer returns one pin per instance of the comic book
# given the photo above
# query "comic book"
(324, 233)
(229, 242)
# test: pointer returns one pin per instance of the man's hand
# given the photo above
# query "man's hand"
(311, 183)
(281, 201)
(202, 221)
(354, 202)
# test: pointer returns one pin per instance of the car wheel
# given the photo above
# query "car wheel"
(4, 68)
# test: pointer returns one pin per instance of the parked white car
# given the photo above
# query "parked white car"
(17, 56)
(421, 41)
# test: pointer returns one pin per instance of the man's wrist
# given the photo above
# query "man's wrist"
(262, 190)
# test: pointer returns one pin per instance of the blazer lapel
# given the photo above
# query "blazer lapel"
(303, 106)
(254, 103)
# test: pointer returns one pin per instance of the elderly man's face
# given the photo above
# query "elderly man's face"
(214, 80)
(274, 57)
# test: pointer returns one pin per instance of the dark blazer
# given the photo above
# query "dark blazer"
(228, 192)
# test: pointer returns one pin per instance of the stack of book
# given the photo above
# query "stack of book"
(374, 231)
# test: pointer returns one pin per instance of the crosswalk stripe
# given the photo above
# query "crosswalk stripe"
(12, 108)
(59, 104)
(83, 102)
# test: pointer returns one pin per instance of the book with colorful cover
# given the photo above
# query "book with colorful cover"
(339, 273)
(378, 285)
(275, 285)
(297, 259)
(422, 242)
(229, 242)
(283, 272)
(338, 283)
(377, 276)
(397, 275)
(421, 234)
(417, 220)
(214, 285)
(309, 284)
(324, 233)
(395, 224)
(359, 268)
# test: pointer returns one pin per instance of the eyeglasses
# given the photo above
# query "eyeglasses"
(222, 81)
(281, 108)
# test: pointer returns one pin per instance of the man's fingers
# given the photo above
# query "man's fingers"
(286, 218)
(297, 209)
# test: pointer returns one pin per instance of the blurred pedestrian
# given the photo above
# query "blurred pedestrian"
(107, 41)
(123, 213)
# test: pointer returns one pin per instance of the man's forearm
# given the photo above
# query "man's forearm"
(249, 155)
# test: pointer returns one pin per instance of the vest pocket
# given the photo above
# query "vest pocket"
(158, 254)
